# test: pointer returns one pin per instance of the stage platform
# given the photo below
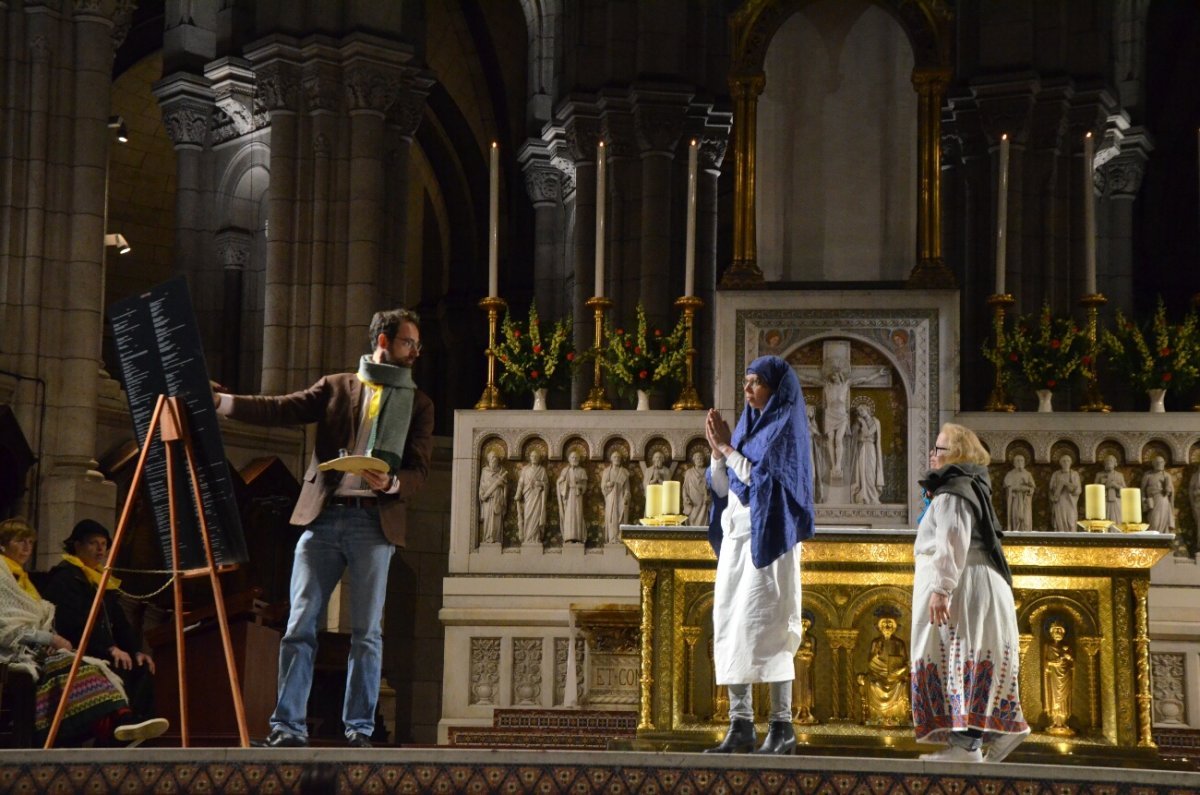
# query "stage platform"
(447, 770)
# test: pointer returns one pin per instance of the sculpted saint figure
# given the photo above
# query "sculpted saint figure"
(804, 686)
(885, 684)
(1058, 680)
(657, 470)
(868, 462)
(1065, 488)
(614, 484)
(531, 498)
(694, 497)
(1018, 489)
(572, 483)
(836, 392)
(493, 499)
(817, 450)
(1158, 496)
(1112, 481)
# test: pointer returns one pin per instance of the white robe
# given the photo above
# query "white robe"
(965, 674)
(756, 612)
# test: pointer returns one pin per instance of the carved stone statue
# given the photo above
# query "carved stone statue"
(1112, 481)
(493, 499)
(572, 483)
(1065, 488)
(817, 450)
(1158, 497)
(1058, 680)
(531, 498)
(694, 497)
(835, 384)
(1194, 494)
(867, 483)
(804, 687)
(885, 684)
(614, 484)
(1018, 490)
(657, 470)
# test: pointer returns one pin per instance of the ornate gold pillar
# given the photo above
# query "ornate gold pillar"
(1091, 647)
(1141, 643)
(842, 640)
(743, 272)
(645, 721)
(691, 635)
(930, 272)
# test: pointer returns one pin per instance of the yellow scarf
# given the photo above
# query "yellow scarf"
(93, 575)
(22, 578)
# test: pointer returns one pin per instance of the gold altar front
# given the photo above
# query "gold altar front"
(1094, 584)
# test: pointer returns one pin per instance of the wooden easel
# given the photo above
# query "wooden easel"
(169, 419)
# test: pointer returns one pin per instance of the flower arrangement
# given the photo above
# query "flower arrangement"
(1157, 356)
(646, 358)
(1047, 352)
(532, 359)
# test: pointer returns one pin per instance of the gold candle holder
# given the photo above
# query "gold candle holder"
(998, 400)
(1133, 527)
(688, 398)
(490, 399)
(1092, 400)
(1095, 525)
(596, 399)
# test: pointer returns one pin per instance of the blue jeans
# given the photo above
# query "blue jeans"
(341, 537)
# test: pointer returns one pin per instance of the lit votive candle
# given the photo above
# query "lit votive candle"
(671, 497)
(654, 500)
(1131, 506)
(1093, 501)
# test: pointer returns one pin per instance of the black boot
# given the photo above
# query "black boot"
(739, 740)
(781, 738)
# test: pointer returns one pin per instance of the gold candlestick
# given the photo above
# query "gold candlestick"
(1133, 527)
(998, 400)
(596, 399)
(688, 398)
(490, 399)
(1092, 400)
(1095, 525)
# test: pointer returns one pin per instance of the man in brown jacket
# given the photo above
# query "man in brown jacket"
(352, 520)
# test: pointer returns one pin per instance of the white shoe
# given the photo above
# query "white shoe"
(136, 733)
(952, 753)
(1002, 746)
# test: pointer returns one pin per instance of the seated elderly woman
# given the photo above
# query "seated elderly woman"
(96, 708)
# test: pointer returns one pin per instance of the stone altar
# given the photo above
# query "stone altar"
(1101, 584)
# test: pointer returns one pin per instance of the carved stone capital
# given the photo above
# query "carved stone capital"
(581, 135)
(544, 184)
(233, 91)
(1005, 107)
(409, 108)
(277, 86)
(122, 21)
(712, 151)
(322, 87)
(187, 103)
(659, 127)
(81, 8)
(620, 132)
(186, 126)
(233, 248)
(370, 88)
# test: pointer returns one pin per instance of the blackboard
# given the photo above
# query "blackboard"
(159, 353)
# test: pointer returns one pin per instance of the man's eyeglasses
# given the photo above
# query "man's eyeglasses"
(411, 343)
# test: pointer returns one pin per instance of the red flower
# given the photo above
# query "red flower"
(1012, 357)
(517, 333)
(620, 332)
(1050, 382)
(537, 348)
(1087, 360)
(658, 332)
(1166, 377)
(663, 349)
(637, 350)
(534, 373)
(1055, 344)
(1165, 352)
(628, 344)
(570, 356)
(503, 358)
(643, 374)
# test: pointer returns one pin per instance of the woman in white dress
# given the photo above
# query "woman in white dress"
(762, 509)
(965, 644)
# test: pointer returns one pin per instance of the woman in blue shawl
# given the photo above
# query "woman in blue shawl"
(761, 479)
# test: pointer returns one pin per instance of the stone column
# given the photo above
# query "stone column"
(402, 121)
(1122, 178)
(70, 349)
(543, 182)
(660, 117)
(713, 143)
(744, 271)
(187, 103)
(624, 226)
(581, 127)
(370, 91)
(233, 252)
(278, 91)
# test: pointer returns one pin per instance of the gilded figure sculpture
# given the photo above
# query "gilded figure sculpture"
(804, 686)
(1058, 679)
(885, 683)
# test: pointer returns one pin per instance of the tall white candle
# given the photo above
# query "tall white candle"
(494, 222)
(601, 192)
(689, 259)
(1002, 216)
(1089, 216)
(1093, 501)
